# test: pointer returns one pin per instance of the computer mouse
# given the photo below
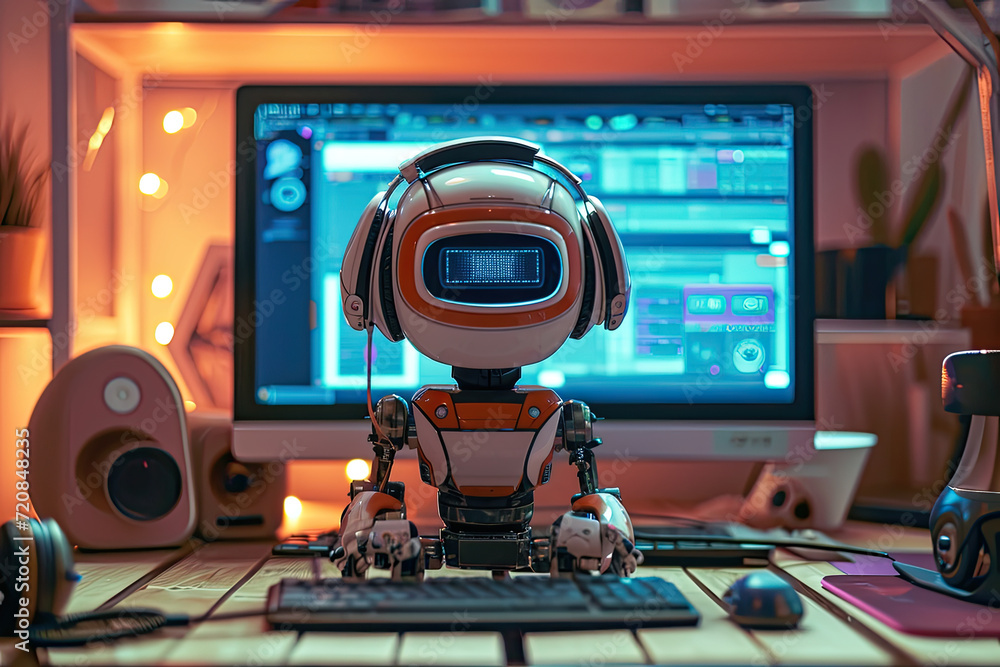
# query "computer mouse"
(763, 600)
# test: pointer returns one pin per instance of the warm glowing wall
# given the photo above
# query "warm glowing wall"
(197, 209)
(860, 76)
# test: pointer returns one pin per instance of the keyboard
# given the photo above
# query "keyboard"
(525, 602)
(699, 545)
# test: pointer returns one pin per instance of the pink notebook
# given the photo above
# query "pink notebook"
(912, 609)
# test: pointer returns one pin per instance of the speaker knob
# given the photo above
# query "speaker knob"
(121, 395)
(947, 552)
(237, 477)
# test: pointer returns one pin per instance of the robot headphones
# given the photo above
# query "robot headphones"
(506, 192)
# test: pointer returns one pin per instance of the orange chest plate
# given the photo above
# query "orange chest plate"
(519, 409)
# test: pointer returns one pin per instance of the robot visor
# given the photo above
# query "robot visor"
(492, 269)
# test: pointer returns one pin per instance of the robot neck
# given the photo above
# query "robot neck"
(485, 378)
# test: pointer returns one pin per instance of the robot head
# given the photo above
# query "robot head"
(492, 256)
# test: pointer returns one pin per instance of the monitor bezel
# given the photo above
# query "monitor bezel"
(248, 98)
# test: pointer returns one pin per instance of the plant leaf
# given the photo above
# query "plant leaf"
(873, 181)
(22, 178)
(926, 196)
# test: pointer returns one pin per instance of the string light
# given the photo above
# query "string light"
(149, 183)
(164, 333)
(162, 286)
(293, 508)
(173, 121)
(357, 469)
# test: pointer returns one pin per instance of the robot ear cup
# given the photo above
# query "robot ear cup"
(588, 304)
(368, 259)
(387, 303)
(611, 253)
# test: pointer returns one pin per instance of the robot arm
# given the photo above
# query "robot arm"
(368, 536)
(596, 534)
(374, 529)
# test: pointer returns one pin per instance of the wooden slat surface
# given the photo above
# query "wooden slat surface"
(456, 647)
(105, 574)
(927, 650)
(199, 581)
(229, 578)
(268, 648)
(603, 647)
(322, 648)
(191, 586)
(730, 644)
(819, 637)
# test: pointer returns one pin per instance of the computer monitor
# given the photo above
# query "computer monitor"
(709, 187)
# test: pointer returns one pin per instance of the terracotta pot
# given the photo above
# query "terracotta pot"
(857, 283)
(22, 250)
(984, 324)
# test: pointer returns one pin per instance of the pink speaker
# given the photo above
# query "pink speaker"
(236, 500)
(111, 461)
(812, 491)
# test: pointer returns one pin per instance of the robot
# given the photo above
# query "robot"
(490, 259)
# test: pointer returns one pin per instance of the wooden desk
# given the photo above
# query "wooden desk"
(227, 577)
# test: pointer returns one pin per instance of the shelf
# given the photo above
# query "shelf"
(24, 319)
(890, 332)
(616, 53)
(511, 11)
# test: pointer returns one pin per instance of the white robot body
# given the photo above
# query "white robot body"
(504, 452)
(489, 259)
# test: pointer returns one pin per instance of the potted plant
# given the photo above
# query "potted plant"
(859, 283)
(979, 294)
(22, 241)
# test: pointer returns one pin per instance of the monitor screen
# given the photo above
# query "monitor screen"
(709, 188)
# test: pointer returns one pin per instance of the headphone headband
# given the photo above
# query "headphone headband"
(508, 149)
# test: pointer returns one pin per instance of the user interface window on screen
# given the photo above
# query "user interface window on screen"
(701, 196)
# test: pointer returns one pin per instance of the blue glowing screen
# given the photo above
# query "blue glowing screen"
(701, 195)
(492, 267)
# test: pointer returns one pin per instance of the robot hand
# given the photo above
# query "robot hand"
(373, 533)
(595, 535)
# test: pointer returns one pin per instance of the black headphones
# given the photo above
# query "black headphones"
(37, 574)
(376, 230)
(36, 579)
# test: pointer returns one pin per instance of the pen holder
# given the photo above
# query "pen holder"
(856, 283)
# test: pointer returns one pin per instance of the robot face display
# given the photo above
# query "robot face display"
(485, 263)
